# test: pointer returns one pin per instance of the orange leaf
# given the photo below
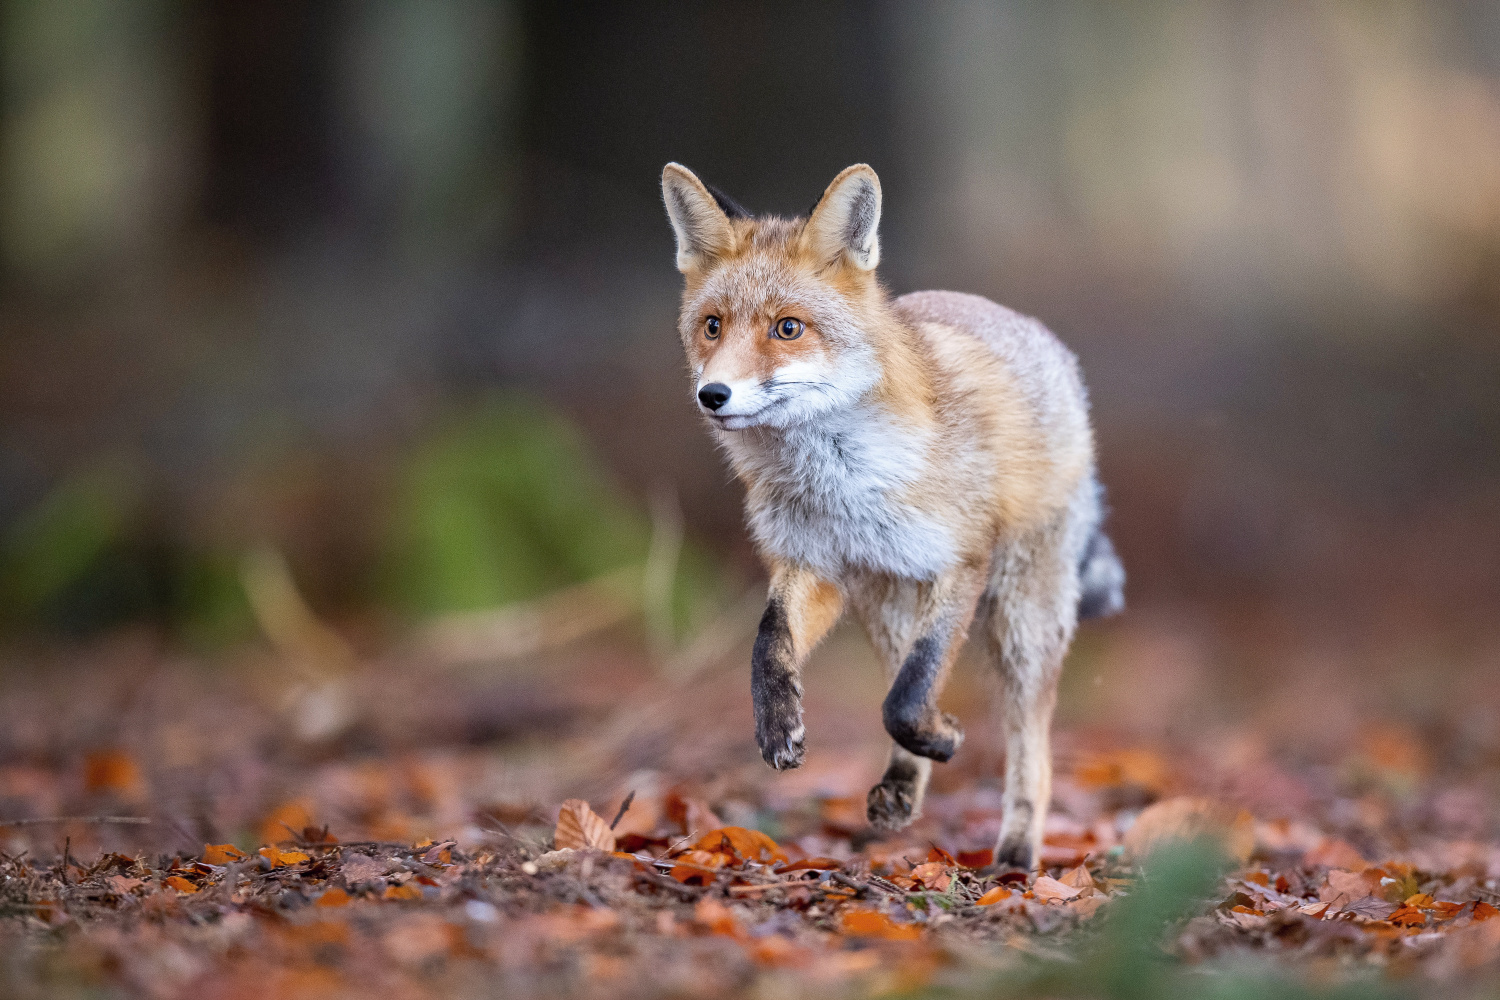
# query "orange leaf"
(875, 923)
(820, 864)
(718, 918)
(1048, 889)
(181, 884)
(280, 858)
(1188, 818)
(938, 854)
(333, 897)
(1445, 910)
(401, 892)
(929, 873)
(113, 771)
(1484, 911)
(280, 822)
(996, 895)
(749, 845)
(221, 854)
(579, 827)
(975, 859)
(1408, 916)
(1420, 900)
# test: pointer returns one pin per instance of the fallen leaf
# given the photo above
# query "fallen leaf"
(748, 845)
(1078, 878)
(1313, 909)
(282, 859)
(401, 892)
(692, 816)
(123, 885)
(1186, 818)
(975, 859)
(876, 923)
(579, 828)
(1408, 916)
(1047, 889)
(717, 918)
(1484, 911)
(180, 884)
(115, 772)
(932, 875)
(939, 855)
(1334, 853)
(1345, 887)
(996, 895)
(362, 868)
(1087, 907)
(221, 854)
(333, 897)
(820, 864)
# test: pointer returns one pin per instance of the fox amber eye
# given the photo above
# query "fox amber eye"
(711, 328)
(788, 329)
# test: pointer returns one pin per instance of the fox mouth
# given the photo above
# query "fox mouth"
(737, 421)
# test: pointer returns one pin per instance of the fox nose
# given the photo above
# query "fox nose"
(714, 395)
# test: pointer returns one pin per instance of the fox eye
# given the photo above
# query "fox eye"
(788, 329)
(711, 328)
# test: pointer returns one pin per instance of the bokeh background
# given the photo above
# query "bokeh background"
(323, 325)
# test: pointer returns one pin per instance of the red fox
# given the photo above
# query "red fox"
(923, 462)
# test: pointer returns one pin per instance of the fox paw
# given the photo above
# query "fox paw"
(781, 742)
(892, 804)
(936, 739)
(1014, 854)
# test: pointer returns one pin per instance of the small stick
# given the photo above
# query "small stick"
(41, 820)
(623, 806)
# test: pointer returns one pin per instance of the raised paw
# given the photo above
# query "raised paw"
(935, 738)
(892, 804)
(781, 740)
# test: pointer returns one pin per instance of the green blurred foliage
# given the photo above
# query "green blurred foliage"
(506, 503)
(1126, 958)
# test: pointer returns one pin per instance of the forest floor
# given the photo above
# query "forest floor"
(396, 829)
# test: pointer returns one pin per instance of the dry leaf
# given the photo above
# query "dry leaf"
(221, 854)
(580, 828)
(746, 844)
(401, 892)
(876, 923)
(333, 897)
(1334, 853)
(115, 772)
(1046, 888)
(1408, 916)
(996, 895)
(123, 885)
(362, 868)
(1187, 818)
(975, 859)
(819, 864)
(1484, 911)
(1344, 887)
(180, 884)
(282, 859)
(1078, 878)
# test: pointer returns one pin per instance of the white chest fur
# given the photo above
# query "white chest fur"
(824, 495)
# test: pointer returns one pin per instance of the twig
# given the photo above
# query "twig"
(623, 806)
(857, 885)
(43, 820)
(662, 882)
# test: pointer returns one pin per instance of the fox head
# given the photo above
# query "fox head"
(776, 312)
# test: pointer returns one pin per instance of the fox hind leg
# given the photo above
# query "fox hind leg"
(1031, 614)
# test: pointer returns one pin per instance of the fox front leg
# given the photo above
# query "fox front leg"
(801, 609)
(910, 710)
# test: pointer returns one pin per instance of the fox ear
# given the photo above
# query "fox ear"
(846, 219)
(702, 227)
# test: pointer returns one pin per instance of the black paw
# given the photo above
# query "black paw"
(892, 804)
(781, 740)
(1010, 856)
(934, 738)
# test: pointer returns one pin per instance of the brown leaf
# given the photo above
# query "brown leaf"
(1078, 878)
(123, 885)
(362, 868)
(975, 859)
(579, 827)
(333, 897)
(401, 892)
(1408, 916)
(1484, 911)
(1344, 887)
(819, 864)
(996, 895)
(1047, 889)
(1186, 818)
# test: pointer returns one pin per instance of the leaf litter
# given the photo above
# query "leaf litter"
(276, 869)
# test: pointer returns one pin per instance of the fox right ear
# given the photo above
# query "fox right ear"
(702, 228)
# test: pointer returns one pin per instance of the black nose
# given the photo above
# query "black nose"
(714, 395)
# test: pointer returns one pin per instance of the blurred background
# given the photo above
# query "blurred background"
(331, 324)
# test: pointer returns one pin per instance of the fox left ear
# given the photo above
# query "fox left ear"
(846, 219)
